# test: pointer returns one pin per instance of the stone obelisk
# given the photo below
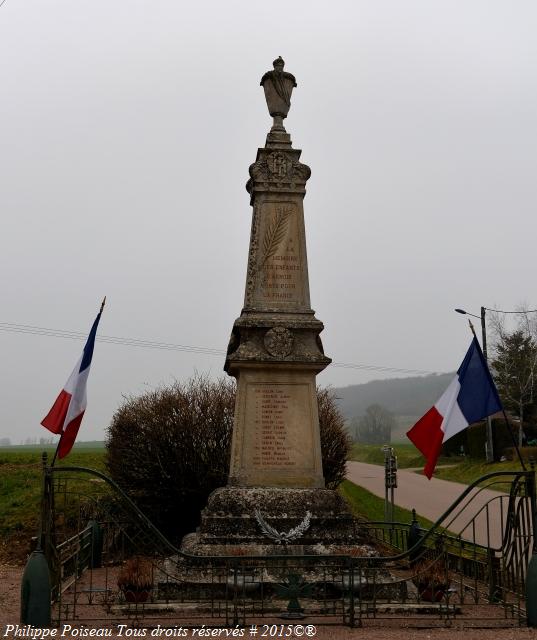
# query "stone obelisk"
(275, 351)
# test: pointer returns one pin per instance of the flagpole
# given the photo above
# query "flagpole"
(56, 452)
(514, 440)
(504, 414)
(61, 437)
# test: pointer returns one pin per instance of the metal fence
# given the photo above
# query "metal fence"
(470, 566)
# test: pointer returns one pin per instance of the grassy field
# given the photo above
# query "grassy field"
(20, 490)
(407, 455)
(468, 470)
(366, 505)
(456, 469)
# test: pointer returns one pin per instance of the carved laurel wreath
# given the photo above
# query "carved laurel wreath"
(278, 537)
(275, 233)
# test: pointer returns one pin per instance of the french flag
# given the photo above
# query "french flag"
(470, 397)
(68, 410)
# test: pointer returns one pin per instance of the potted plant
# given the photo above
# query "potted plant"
(135, 579)
(432, 580)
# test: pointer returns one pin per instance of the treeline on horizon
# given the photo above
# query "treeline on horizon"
(401, 396)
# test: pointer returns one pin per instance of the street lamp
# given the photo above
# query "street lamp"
(490, 442)
(483, 327)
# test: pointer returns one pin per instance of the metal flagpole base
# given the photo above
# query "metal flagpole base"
(531, 592)
(35, 591)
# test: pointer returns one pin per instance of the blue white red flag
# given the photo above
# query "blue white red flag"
(67, 412)
(470, 397)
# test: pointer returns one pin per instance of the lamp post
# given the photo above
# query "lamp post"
(489, 443)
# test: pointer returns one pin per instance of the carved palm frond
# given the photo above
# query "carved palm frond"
(265, 527)
(275, 233)
(300, 528)
(278, 537)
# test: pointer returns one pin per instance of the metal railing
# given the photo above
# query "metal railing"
(398, 574)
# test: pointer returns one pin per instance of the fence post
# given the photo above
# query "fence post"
(414, 536)
(351, 562)
(96, 553)
(35, 585)
(235, 592)
(531, 576)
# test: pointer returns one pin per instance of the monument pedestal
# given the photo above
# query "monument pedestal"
(244, 521)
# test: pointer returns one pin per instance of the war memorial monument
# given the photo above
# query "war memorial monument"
(275, 351)
(275, 534)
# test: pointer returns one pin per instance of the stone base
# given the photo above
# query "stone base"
(229, 525)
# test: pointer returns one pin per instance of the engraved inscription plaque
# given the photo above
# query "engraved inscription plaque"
(279, 434)
(281, 265)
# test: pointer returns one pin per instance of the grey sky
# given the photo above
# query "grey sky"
(127, 129)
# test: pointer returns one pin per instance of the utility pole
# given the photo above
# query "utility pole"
(489, 443)
(489, 449)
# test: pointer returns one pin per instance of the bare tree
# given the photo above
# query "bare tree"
(514, 362)
(376, 426)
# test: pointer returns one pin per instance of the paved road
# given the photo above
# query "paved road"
(431, 498)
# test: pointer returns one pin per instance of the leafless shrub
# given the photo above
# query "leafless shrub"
(169, 448)
(335, 440)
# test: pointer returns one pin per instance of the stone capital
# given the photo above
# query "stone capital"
(277, 170)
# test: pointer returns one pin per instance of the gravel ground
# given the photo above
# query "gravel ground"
(10, 577)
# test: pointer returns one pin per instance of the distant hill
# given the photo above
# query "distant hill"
(407, 398)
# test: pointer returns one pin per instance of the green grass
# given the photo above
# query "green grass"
(469, 470)
(407, 455)
(456, 469)
(20, 490)
(366, 505)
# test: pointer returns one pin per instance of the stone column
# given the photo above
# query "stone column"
(275, 351)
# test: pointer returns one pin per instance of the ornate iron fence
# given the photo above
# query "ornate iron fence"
(460, 569)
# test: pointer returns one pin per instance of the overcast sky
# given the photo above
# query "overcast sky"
(127, 129)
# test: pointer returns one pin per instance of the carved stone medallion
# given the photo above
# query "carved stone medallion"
(279, 342)
(279, 164)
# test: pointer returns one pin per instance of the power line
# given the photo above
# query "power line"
(77, 335)
(373, 367)
(522, 312)
(170, 346)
